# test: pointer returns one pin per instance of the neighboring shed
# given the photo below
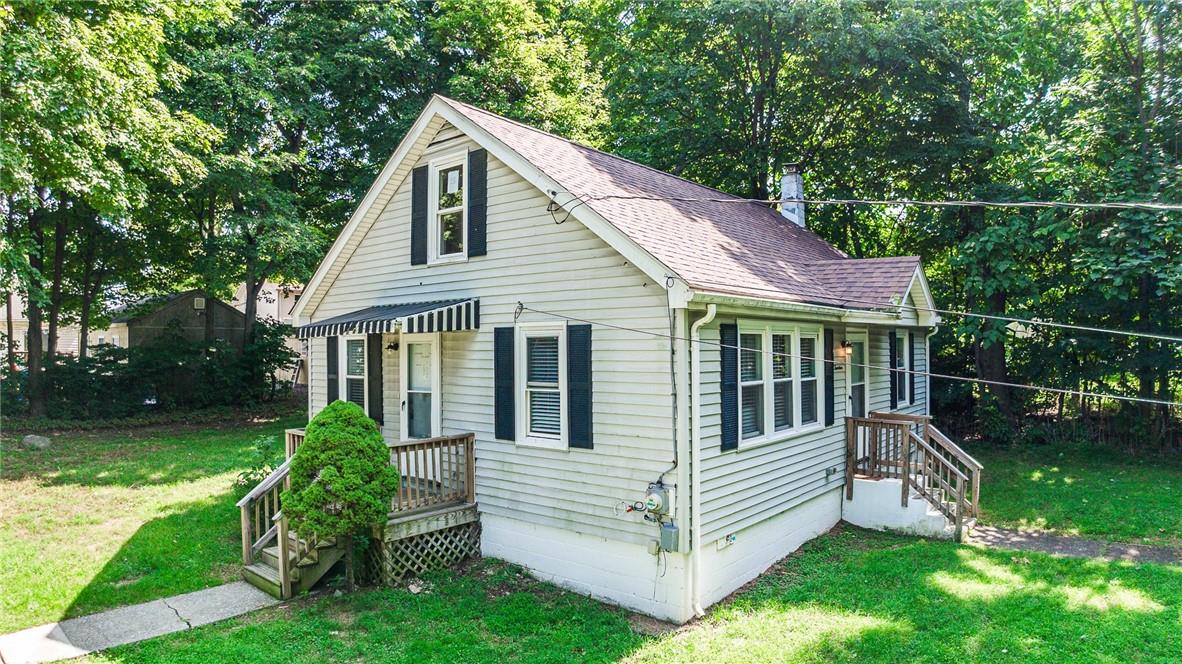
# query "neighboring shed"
(200, 317)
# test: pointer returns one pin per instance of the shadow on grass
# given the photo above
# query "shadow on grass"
(859, 596)
(140, 458)
(194, 546)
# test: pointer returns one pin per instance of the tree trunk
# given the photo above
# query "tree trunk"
(990, 361)
(88, 291)
(55, 289)
(349, 583)
(36, 392)
(10, 345)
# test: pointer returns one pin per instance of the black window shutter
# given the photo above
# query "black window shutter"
(893, 373)
(828, 377)
(330, 376)
(418, 216)
(373, 370)
(504, 410)
(911, 376)
(477, 202)
(728, 335)
(578, 385)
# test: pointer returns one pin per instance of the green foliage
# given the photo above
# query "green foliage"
(168, 373)
(341, 478)
(267, 455)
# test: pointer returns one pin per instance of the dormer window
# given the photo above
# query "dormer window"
(449, 202)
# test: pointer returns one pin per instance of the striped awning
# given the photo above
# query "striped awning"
(412, 317)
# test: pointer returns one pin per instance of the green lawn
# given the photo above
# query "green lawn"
(106, 519)
(851, 596)
(1092, 493)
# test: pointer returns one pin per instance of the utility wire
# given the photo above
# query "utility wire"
(980, 381)
(896, 202)
(953, 312)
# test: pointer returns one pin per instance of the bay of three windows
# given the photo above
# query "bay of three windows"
(779, 379)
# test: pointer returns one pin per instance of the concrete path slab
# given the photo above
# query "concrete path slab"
(128, 624)
(1076, 547)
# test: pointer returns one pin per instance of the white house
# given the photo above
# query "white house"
(582, 315)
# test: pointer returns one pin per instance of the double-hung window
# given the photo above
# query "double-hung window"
(779, 380)
(901, 362)
(448, 197)
(353, 377)
(542, 354)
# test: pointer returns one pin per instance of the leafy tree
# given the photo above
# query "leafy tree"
(341, 478)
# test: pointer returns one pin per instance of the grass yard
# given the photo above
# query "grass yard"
(1094, 493)
(849, 596)
(107, 519)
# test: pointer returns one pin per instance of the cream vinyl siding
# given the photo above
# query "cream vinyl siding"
(561, 268)
(743, 487)
(880, 387)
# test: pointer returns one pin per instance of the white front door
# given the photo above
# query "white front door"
(420, 378)
(857, 374)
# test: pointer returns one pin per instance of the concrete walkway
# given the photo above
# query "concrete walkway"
(1076, 547)
(78, 636)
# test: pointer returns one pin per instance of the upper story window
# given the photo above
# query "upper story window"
(779, 380)
(901, 361)
(448, 233)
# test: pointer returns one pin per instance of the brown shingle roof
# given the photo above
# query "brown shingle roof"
(725, 247)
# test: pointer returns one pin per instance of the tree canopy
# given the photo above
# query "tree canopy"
(148, 145)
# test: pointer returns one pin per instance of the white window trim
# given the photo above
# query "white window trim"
(903, 396)
(433, 168)
(343, 369)
(528, 438)
(798, 428)
(862, 337)
(404, 342)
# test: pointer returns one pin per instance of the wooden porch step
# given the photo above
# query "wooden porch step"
(264, 577)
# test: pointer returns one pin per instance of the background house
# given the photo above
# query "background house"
(276, 302)
(199, 316)
(67, 334)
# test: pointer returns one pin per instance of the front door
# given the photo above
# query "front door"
(856, 373)
(420, 378)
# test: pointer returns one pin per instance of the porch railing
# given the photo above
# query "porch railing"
(292, 439)
(908, 447)
(434, 471)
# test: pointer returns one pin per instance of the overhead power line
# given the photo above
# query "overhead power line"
(980, 381)
(1148, 206)
(953, 312)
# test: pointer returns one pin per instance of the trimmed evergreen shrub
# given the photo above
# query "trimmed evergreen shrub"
(341, 478)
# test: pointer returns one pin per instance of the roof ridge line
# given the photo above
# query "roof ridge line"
(602, 152)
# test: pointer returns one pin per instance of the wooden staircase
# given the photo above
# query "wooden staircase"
(433, 520)
(929, 465)
(275, 558)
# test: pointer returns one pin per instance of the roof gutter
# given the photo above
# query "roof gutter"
(830, 312)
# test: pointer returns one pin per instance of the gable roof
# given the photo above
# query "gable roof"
(724, 246)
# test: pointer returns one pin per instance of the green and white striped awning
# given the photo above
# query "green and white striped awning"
(411, 317)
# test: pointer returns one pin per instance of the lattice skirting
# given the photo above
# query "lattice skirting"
(394, 560)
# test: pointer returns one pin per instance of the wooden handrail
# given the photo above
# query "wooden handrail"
(908, 447)
(292, 439)
(955, 449)
(276, 476)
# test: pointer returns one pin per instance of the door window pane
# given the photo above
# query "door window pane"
(808, 401)
(808, 357)
(858, 362)
(355, 390)
(418, 371)
(858, 399)
(418, 414)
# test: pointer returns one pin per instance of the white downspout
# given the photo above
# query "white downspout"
(696, 459)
